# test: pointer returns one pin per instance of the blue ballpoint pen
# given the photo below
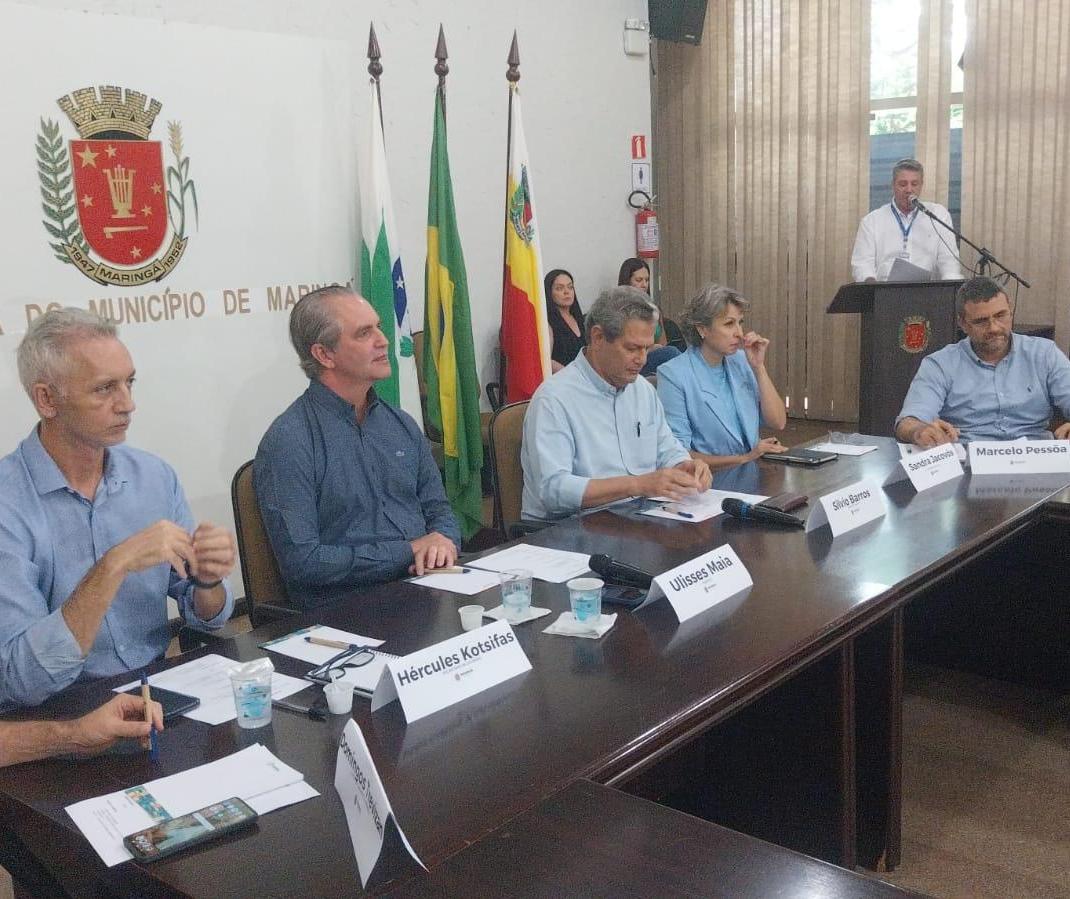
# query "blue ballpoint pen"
(677, 512)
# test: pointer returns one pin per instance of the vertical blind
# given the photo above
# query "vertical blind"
(762, 177)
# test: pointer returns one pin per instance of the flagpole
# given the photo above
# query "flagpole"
(375, 69)
(512, 75)
(441, 69)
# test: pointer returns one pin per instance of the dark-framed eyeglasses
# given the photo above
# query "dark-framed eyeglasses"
(334, 668)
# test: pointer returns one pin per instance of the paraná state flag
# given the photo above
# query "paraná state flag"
(382, 281)
(525, 332)
(449, 353)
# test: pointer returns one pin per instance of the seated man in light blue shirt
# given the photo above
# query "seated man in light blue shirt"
(596, 432)
(93, 536)
(993, 385)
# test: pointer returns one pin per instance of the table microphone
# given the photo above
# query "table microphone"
(761, 514)
(619, 572)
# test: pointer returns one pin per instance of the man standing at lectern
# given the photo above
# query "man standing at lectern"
(900, 230)
(991, 385)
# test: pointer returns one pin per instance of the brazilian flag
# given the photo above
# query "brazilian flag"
(449, 354)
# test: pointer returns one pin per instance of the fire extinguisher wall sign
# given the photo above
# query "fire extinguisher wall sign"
(646, 226)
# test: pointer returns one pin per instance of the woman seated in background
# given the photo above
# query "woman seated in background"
(636, 273)
(565, 318)
(714, 395)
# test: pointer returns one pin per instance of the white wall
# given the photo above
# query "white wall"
(583, 98)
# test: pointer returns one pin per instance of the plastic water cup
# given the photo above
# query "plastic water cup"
(339, 697)
(252, 693)
(471, 617)
(585, 597)
(516, 593)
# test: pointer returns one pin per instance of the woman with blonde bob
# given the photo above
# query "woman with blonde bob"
(714, 396)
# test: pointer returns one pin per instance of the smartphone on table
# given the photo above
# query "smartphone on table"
(174, 704)
(811, 458)
(169, 837)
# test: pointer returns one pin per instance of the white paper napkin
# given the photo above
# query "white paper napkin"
(530, 614)
(567, 626)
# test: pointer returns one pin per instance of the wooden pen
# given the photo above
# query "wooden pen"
(334, 644)
(146, 694)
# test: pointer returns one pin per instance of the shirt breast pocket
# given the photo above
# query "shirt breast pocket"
(641, 449)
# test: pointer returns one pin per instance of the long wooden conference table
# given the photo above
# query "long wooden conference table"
(776, 713)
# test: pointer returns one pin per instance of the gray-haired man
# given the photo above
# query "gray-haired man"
(596, 432)
(348, 490)
(901, 231)
(93, 535)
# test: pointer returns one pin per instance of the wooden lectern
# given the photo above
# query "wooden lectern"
(902, 322)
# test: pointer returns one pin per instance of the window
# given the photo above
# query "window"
(894, 95)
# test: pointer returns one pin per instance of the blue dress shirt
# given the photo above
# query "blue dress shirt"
(1005, 401)
(580, 427)
(50, 536)
(711, 409)
(342, 501)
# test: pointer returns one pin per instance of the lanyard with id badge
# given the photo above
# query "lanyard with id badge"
(904, 229)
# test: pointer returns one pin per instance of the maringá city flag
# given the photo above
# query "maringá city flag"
(525, 333)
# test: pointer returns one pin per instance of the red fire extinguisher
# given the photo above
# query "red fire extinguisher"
(646, 226)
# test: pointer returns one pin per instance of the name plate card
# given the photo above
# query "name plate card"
(927, 468)
(703, 582)
(1020, 457)
(848, 508)
(432, 679)
(368, 811)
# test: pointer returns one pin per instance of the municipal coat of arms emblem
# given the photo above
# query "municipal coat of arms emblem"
(914, 333)
(111, 207)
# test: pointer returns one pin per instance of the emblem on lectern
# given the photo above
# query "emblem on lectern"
(914, 333)
(111, 208)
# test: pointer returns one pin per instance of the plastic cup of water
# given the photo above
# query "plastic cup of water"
(585, 597)
(516, 593)
(252, 692)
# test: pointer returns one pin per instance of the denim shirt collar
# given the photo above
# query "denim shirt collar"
(330, 400)
(47, 477)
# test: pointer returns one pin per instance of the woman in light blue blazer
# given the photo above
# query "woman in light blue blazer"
(715, 396)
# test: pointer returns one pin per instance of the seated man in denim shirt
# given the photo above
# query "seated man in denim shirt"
(93, 535)
(348, 491)
(595, 432)
(992, 385)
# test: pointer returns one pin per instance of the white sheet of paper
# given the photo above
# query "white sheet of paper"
(296, 647)
(699, 506)
(253, 774)
(842, 449)
(553, 565)
(467, 583)
(208, 678)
